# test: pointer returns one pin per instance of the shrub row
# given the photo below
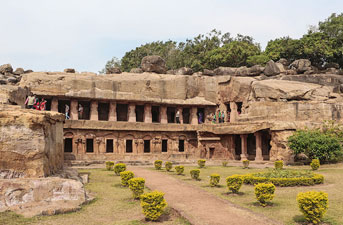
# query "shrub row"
(285, 182)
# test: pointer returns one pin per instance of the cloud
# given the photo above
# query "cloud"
(55, 34)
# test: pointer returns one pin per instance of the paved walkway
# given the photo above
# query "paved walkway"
(196, 205)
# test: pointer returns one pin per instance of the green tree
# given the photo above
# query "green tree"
(112, 63)
(284, 47)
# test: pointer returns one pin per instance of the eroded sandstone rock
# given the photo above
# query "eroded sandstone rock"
(113, 70)
(69, 70)
(301, 65)
(183, 71)
(6, 68)
(153, 63)
(19, 71)
(136, 70)
(273, 68)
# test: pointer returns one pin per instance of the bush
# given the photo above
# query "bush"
(179, 169)
(201, 163)
(195, 174)
(224, 163)
(284, 181)
(168, 166)
(215, 178)
(158, 164)
(136, 185)
(246, 164)
(315, 164)
(316, 145)
(125, 177)
(119, 167)
(109, 165)
(278, 165)
(153, 205)
(264, 192)
(313, 205)
(234, 183)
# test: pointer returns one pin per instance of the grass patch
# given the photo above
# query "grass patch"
(284, 207)
(113, 205)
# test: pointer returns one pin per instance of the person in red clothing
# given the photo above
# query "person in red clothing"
(36, 105)
(42, 106)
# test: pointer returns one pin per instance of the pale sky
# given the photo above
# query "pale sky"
(51, 35)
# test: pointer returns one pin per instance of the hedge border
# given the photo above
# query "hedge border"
(285, 182)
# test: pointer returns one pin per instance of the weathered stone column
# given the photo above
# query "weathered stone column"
(112, 116)
(233, 114)
(163, 114)
(147, 114)
(54, 105)
(181, 116)
(132, 113)
(232, 146)
(259, 156)
(94, 111)
(244, 141)
(74, 115)
(194, 116)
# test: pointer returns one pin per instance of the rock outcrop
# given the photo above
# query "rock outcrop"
(6, 68)
(153, 63)
(273, 68)
(69, 70)
(113, 70)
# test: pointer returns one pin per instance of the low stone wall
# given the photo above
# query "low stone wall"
(31, 142)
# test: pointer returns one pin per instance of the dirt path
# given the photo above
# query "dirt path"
(197, 205)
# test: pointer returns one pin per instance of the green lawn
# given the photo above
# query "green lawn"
(113, 205)
(284, 206)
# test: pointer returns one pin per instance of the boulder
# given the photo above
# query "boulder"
(241, 71)
(291, 72)
(255, 70)
(225, 71)
(331, 65)
(208, 72)
(6, 68)
(113, 70)
(153, 63)
(3, 81)
(19, 71)
(28, 71)
(12, 80)
(183, 71)
(301, 65)
(172, 72)
(283, 61)
(136, 70)
(332, 71)
(273, 68)
(69, 70)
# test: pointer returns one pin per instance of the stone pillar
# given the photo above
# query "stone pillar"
(232, 146)
(94, 110)
(132, 113)
(244, 141)
(54, 105)
(233, 114)
(259, 156)
(74, 114)
(113, 112)
(163, 114)
(194, 116)
(147, 114)
(181, 116)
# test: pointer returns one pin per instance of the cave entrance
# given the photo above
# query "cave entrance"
(103, 111)
(139, 113)
(122, 110)
(155, 111)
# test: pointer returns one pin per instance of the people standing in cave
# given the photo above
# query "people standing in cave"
(177, 116)
(80, 110)
(36, 105)
(30, 100)
(219, 117)
(42, 105)
(214, 118)
(67, 111)
(200, 121)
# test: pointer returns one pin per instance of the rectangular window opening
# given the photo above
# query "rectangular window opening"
(109, 145)
(103, 111)
(185, 115)
(181, 145)
(139, 113)
(164, 145)
(122, 111)
(68, 145)
(146, 146)
(155, 112)
(90, 145)
(128, 146)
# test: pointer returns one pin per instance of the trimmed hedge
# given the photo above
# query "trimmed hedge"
(195, 174)
(136, 185)
(245, 164)
(125, 177)
(201, 163)
(215, 178)
(179, 169)
(158, 164)
(313, 204)
(278, 165)
(168, 165)
(264, 192)
(234, 183)
(119, 167)
(153, 205)
(109, 165)
(285, 182)
(315, 164)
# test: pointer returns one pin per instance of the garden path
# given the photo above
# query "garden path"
(196, 205)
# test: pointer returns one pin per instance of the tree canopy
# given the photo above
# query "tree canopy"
(321, 44)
